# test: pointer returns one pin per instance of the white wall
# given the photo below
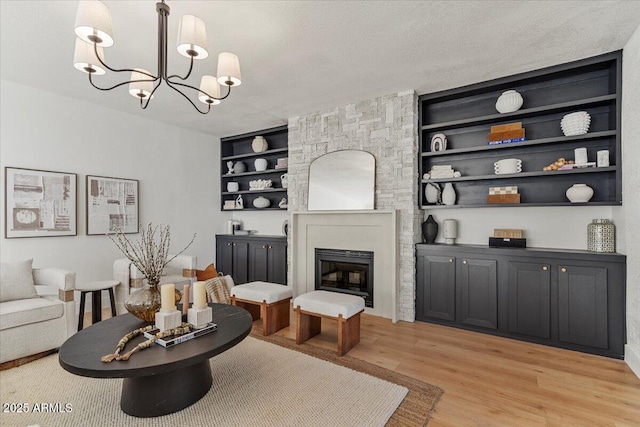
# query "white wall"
(177, 169)
(631, 179)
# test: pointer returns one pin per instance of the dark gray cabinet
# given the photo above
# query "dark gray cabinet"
(564, 298)
(529, 287)
(252, 258)
(465, 116)
(457, 290)
(267, 262)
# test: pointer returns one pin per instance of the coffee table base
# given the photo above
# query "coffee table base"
(164, 394)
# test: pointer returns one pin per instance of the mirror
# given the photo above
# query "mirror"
(342, 180)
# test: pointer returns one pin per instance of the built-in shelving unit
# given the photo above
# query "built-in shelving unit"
(465, 115)
(238, 149)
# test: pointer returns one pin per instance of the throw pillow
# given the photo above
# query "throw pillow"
(16, 281)
(217, 290)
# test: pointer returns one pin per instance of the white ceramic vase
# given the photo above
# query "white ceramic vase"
(431, 193)
(450, 231)
(448, 195)
(239, 167)
(259, 144)
(579, 193)
(260, 164)
(509, 102)
(284, 179)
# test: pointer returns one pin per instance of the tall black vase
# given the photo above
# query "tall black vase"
(429, 230)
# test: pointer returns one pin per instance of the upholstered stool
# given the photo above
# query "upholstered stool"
(96, 289)
(346, 309)
(265, 300)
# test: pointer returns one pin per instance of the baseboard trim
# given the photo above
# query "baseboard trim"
(632, 358)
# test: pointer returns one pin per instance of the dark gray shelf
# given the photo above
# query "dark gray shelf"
(268, 171)
(533, 142)
(523, 175)
(582, 103)
(267, 190)
(262, 154)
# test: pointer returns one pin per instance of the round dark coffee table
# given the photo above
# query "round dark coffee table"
(157, 380)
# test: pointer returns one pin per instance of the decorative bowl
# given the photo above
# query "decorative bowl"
(509, 102)
(261, 202)
(575, 123)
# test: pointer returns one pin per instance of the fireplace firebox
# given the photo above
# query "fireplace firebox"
(346, 271)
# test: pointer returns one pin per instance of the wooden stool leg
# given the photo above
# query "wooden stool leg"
(96, 307)
(275, 316)
(348, 333)
(252, 308)
(113, 302)
(81, 315)
(307, 326)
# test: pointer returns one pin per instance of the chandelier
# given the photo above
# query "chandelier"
(93, 28)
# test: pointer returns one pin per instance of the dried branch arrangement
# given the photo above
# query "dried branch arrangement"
(148, 255)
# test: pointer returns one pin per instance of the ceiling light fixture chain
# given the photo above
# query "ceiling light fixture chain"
(93, 28)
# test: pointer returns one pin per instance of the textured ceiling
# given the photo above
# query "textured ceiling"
(299, 57)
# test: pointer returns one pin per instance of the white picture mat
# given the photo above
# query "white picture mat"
(111, 203)
(40, 203)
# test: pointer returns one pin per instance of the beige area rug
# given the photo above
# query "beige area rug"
(256, 383)
(416, 407)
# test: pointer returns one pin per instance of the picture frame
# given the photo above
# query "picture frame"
(39, 203)
(111, 203)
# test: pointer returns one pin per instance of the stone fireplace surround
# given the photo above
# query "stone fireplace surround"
(387, 128)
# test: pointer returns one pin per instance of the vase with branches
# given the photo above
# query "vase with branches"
(150, 255)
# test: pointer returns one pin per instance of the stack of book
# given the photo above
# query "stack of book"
(441, 171)
(505, 134)
(503, 195)
(507, 238)
(282, 163)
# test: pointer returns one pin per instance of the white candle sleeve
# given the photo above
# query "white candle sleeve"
(168, 297)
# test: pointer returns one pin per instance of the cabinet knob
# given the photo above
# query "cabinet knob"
(264, 246)
(545, 268)
(464, 262)
(270, 247)
(450, 259)
(229, 244)
(564, 270)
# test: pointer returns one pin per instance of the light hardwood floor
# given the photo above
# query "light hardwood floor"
(494, 381)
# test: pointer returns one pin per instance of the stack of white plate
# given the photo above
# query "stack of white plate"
(575, 123)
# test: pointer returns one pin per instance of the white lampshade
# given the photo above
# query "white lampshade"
(210, 85)
(140, 89)
(84, 58)
(94, 20)
(192, 37)
(229, 69)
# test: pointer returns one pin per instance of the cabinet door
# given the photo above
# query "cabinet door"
(240, 262)
(582, 305)
(436, 287)
(258, 262)
(277, 263)
(478, 290)
(224, 256)
(529, 287)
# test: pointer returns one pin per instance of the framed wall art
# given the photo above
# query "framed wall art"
(111, 203)
(39, 203)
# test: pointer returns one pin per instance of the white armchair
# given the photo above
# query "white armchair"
(180, 271)
(40, 322)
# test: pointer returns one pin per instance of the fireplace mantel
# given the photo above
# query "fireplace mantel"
(367, 230)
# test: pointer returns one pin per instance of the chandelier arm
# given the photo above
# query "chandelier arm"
(146, 104)
(188, 72)
(170, 84)
(118, 85)
(201, 91)
(121, 70)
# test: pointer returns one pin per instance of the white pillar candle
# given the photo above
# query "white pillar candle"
(199, 295)
(185, 299)
(168, 297)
